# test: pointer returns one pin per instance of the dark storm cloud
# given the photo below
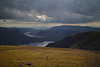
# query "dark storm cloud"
(63, 11)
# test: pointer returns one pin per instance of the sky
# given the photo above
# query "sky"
(49, 13)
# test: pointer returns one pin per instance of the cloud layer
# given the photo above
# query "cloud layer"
(53, 11)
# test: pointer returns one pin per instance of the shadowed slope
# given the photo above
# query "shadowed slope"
(86, 40)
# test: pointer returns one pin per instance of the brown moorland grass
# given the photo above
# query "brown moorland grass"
(16, 56)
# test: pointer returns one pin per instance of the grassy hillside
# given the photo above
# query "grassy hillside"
(86, 40)
(16, 56)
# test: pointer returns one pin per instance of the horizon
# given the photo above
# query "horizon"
(44, 25)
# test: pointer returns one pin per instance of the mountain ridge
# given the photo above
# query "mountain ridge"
(59, 32)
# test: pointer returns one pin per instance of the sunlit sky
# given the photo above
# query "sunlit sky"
(49, 13)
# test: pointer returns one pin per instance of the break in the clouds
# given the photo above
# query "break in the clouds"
(52, 11)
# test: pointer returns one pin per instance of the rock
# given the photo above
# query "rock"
(11, 62)
(30, 63)
(47, 57)
(20, 65)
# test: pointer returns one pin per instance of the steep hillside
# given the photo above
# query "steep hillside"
(86, 40)
(13, 37)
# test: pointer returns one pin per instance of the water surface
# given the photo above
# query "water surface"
(41, 44)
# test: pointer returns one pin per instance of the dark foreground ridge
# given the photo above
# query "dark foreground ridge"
(86, 40)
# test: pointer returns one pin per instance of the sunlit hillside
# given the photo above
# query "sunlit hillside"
(29, 56)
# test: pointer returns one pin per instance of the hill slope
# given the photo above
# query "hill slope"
(21, 56)
(15, 37)
(86, 40)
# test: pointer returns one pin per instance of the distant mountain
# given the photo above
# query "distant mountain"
(59, 32)
(86, 40)
(75, 28)
(24, 30)
(54, 35)
(12, 36)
